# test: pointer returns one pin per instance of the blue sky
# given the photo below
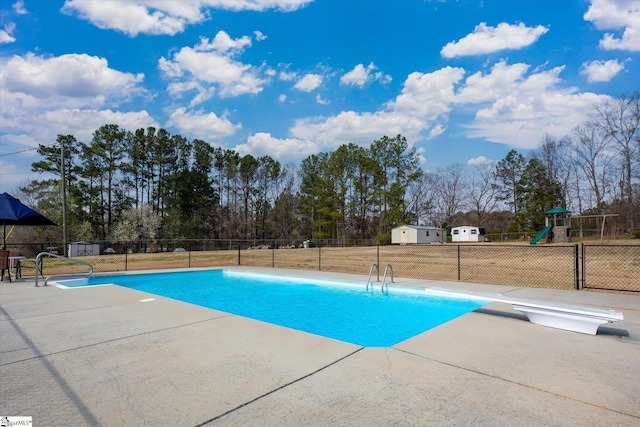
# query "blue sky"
(464, 81)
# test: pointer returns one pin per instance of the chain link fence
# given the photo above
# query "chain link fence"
(570, 266)
(611, 267)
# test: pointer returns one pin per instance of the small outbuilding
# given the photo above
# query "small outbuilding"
(83, 249)
(467, 233)
(415, 234)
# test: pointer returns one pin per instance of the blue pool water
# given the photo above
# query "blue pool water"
(340, 310)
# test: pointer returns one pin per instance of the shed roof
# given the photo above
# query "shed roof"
(419, 227)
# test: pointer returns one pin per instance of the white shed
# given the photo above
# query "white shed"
(413, 234)
(83, 249)
(467, 233)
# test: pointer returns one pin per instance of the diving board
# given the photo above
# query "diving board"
(568, 317)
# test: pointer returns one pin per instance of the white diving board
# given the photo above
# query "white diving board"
(568, 317)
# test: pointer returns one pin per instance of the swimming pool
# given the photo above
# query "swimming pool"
(335, 309)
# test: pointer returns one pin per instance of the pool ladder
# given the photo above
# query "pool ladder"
(374, 265)
(384, 285)
(50, 254)
(384, 278)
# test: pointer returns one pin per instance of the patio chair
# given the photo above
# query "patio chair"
(4, 265)
(17, 265)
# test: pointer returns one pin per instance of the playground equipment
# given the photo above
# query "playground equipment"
(557, 227)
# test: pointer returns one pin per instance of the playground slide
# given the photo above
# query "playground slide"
(540, 235)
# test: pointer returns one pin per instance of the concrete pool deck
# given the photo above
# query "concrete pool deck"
(100, 356)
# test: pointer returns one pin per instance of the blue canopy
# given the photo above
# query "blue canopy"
(14, 212)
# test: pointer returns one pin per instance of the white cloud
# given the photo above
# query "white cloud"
(6, 35)
(359, 128)
(12, 178)
(529, 107)
(479, 161)
(223, 43)
(424, 102)
(206, 126)
(516, 106)
(133, 18)
(45, 96)
(486, 39)
(18, 7)
(169, 68)
(259, 35)
(282, 97)
(428, 96)
(617, 15)
(44, 125)
(321, 101)
(308, 83)
(288, 149)
(510, 105)
(258, 5)
(164, 17)
(7, 168)
(68, 80)
(502, 80)
(356, 77)
(210, 67)
(435, 131)
(82, 123)
(287, 76)
(177, 89)
(601, 71)
(361, 75)
(38, 125)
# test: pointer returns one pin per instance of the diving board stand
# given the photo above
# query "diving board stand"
(568, 317)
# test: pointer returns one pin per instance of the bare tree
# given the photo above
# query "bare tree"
(451, 188)
(420, 195)
(554, 154)
(593, 157)
(482, 193)
(619, 120)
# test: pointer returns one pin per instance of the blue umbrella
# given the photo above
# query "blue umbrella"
(14, 212)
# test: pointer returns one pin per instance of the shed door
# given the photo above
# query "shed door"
(404, 237)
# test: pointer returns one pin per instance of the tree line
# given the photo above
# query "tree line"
(151, 184)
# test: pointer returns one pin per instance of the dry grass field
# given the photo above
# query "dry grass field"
(611, 265)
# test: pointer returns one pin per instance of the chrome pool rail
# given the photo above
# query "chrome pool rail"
(374, 265)
(384, 278)
(384, 284)
(49, 254)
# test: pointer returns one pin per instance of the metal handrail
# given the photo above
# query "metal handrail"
(370, 272)
(384, 278)
(50, 254)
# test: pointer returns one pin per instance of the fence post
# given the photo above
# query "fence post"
(189, 257)
(319, 257)
(238, 253)
(378, 263)
(273, 256)
(458, 262)
(576, 273)
(584, 267)
(126, 259)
